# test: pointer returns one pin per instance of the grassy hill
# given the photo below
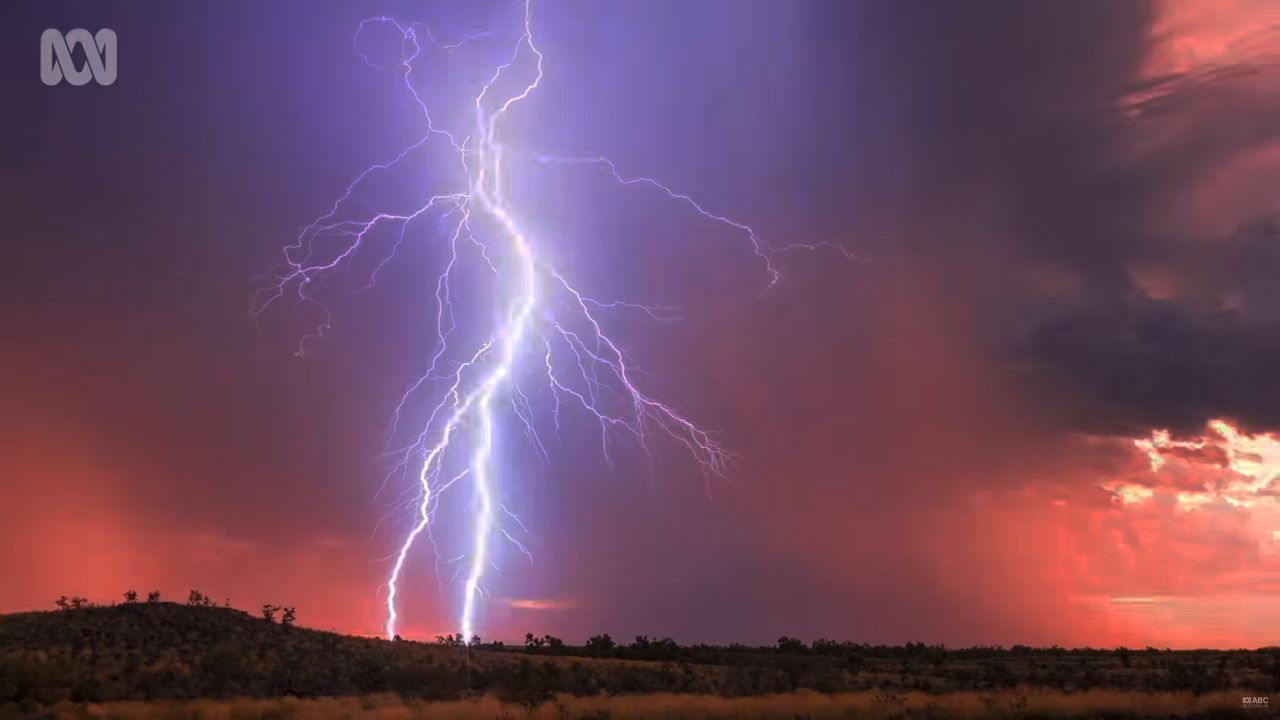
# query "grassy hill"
(164, 650)
(169, 653)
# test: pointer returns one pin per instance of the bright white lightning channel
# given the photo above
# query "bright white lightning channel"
(546, 330)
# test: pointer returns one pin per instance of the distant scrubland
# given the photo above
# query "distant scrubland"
(1021, 704)
(160, 660)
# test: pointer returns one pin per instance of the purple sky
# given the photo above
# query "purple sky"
(1069, 222)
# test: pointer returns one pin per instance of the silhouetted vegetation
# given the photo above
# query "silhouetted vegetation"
(71, 603)
(801, 705)
(158, 650)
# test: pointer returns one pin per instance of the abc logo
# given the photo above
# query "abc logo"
(56, 63)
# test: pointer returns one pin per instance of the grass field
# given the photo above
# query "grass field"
(1015, 704)
(163, 660)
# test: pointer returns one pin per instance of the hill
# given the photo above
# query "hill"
(170, 652)
(151, 651)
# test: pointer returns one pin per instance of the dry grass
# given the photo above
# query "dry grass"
(809, 705)
(873, 705)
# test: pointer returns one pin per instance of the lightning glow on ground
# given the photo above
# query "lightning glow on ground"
(547, 339)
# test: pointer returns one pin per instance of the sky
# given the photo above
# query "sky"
(1040, 408)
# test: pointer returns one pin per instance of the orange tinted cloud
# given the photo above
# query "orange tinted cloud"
(1187, 36)
(1186, 552)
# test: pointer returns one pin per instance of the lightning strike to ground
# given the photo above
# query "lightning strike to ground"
(546, 332)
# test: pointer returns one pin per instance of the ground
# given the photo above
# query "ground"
(165, 660)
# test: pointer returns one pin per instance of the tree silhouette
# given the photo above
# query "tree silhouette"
(601, 645)
(130, 597)
(792, 646)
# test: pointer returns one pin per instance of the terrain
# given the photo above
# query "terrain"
(159, 659)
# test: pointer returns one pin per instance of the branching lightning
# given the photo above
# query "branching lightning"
(545, 334)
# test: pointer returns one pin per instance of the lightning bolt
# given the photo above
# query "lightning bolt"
(544, 332)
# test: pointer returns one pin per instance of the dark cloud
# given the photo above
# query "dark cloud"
(1132, 262)
(1206, 350)
(1057, 243)
(1156, 365)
